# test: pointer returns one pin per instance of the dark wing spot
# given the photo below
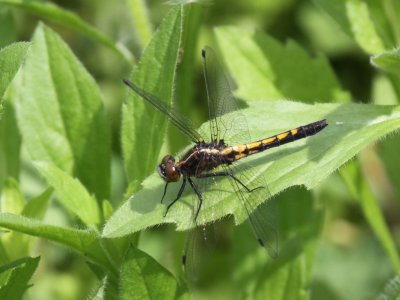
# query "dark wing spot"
(261, 242)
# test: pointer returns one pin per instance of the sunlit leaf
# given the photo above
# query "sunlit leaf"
(72, 193)
(60, 113)
(11, 58)
(263, 68)
(142, 127)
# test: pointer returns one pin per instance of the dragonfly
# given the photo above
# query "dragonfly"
(217, 157)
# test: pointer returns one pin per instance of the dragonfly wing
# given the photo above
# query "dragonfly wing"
(258, 206)
(199, 247)
(178, 120)
(220, 98)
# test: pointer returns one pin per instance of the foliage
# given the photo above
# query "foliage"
(66, 143)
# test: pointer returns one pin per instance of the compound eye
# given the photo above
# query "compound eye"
(168, 170)
(172, 173)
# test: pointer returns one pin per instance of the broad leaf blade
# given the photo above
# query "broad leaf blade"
(276, 71)
(306, 162)
(71, 193)
(143, 278)
(18, 278)
(60, 113)
(142, 126)
(11, 59)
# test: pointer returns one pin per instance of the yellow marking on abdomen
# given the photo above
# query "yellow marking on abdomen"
(239, 148)
(283, 135)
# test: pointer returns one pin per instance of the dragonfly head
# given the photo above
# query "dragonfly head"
(168, 169)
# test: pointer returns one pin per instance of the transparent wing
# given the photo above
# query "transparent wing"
(220, 101)
(233, 129)
(179, 121)
(199, 248)
(259, 211)
(200, 240)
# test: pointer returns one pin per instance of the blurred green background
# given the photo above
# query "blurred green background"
(350, 262)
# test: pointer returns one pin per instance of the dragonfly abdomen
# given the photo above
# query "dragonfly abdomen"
(236, 152)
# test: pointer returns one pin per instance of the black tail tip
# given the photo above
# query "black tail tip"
(323, 123)
(203, 53)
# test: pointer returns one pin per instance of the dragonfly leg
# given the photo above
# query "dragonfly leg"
(165, 191)
(181, 189)
(224, 174)
(199, 195)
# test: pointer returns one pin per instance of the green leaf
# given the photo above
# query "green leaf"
(354, 17)
(142, 126)
(388, 61)
(71, 20)
(306, 162)
(265, 69)
(100, 292)
(86, 242)
(60, 113)
(361, 191)
(18, 278)
(71, 193)
(391, 290)
(186, 70)
(11, 59)
(36, 207)
(12, 199)
(143, 278)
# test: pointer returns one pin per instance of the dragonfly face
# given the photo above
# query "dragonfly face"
(168, 169)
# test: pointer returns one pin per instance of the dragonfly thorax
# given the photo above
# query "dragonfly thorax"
(168, 169)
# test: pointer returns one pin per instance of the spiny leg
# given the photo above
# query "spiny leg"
(224, 174)
(165, 191)
(181, 189)
(199, 195)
